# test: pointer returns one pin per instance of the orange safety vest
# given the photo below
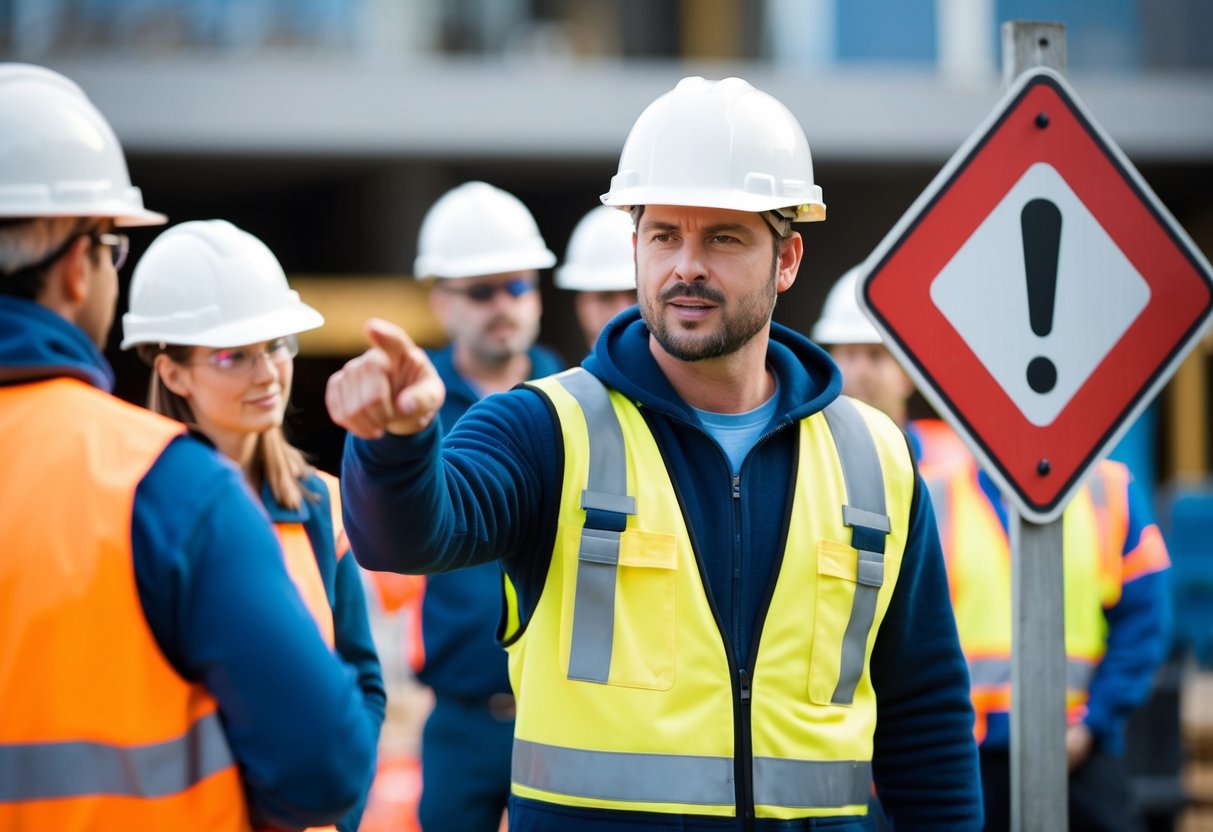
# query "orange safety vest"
(977, 552)
(97, 730)
(304, 571)
(301, 562)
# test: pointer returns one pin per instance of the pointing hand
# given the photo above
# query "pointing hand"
(390, 388)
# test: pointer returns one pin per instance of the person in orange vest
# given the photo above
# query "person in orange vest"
(1115, 562)
(160, 669)
(212, 315)
(599, 269)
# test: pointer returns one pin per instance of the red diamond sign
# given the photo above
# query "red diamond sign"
(1039, 293)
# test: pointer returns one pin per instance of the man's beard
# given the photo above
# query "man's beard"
(750, 316)
(490, 351)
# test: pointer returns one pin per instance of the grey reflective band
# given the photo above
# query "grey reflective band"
(598, 555)
(613, 775)
(997, 673)
(55, 770)
(811, 784)
(687, 779)
(864, 511)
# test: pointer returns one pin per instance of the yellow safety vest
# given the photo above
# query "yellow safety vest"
(977, 551)
(627, 697)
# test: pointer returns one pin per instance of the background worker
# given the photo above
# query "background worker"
(212, 315)
(1115, 562)
(154, 648)
(682, 550)
(482, 250)
(600, 269)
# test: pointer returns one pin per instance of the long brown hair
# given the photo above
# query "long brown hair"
(275, 460)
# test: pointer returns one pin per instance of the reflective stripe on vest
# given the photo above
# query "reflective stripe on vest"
(689, 779)
(44, 771)
(865, 514)
(811, 748)
(607, 504)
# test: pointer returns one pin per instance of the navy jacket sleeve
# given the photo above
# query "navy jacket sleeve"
(215, 591)
(427, 505)
(925, 761)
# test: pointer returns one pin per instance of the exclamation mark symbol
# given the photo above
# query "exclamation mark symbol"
(1040, 222)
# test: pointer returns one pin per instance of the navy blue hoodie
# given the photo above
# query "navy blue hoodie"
(491, 490)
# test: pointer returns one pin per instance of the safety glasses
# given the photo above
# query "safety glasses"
(241, 360)
(119, 246)
(485, 292)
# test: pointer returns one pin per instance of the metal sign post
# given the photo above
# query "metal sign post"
(1038, 654)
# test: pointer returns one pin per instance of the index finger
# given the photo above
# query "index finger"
(388, 337)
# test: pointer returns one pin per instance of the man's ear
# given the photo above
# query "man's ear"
(67, 278)
(172, 375)
(791, 249)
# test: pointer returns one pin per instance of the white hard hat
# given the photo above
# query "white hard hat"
(599, 258)
(477, 229)
(842, 321)
(207, 283)
(58, 155)
(718, 144)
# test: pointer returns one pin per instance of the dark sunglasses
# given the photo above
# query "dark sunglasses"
(485, 292)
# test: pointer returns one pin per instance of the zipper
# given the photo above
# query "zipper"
(745, 776)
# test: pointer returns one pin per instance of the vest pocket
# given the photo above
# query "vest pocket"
(837, 576)
(621, 631)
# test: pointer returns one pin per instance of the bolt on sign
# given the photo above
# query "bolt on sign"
(1039, 293)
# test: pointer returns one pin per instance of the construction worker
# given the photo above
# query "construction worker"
(599, 268)
(481, 250)
(717, 570)
(212, 315)
(158, 661)
(1115, 566)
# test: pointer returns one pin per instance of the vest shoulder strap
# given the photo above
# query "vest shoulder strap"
(607, 506)
(864, 512)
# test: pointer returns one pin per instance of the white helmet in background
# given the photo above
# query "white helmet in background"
(207, 283)
(718, 144)
(842, 321)
(475, 230)
(599, 257)
(59, 157)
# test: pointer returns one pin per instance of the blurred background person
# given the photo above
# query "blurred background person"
(1116, 594)
(482, 250)
(212, 315)
(154, 649)
(600, 269)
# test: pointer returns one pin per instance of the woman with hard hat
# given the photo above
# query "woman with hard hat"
(211, 313)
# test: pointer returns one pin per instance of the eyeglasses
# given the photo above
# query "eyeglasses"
(119, 245)
(238, 360)
(485, 292)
